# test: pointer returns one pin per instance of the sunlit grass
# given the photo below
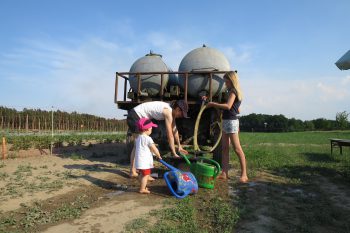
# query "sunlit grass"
(289, 194)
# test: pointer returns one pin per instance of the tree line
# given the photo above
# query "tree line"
(279, 123)
(41, 120)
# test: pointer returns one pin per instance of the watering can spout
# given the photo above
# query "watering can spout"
(186, 159)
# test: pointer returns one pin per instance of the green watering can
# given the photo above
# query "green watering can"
(205, 170)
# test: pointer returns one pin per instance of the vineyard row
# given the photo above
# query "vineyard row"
(28, 123)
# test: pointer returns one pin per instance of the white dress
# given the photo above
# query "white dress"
(143, 154)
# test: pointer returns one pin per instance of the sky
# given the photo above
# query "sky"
(64, 54)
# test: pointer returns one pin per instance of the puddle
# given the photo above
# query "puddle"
(120, 189)
(252, 184)
(113, 194)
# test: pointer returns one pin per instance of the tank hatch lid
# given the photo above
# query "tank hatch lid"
(153, 54)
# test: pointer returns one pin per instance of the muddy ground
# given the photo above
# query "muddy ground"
(95, 179)
(97, 174)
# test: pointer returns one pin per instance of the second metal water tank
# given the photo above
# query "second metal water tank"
(204, 59)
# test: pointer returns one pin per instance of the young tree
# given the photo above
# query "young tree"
(342, 119)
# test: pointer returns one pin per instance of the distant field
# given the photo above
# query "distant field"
(276, 151)
(43, 141)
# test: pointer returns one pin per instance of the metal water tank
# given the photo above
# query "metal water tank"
(173, 79)
(204, 59)
(149, 83)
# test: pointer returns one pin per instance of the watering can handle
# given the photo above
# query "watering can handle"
(170, 187)
(168, 165)
(216, 164)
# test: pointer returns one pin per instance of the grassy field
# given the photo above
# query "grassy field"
(296, 185)
(292, 153)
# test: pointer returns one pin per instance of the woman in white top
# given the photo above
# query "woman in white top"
(160, 111)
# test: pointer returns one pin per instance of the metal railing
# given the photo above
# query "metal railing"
(183, 75)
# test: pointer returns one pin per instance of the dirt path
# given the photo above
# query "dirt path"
(53, 180)
(112, 215)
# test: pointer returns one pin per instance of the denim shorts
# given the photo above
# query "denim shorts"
(230, 126)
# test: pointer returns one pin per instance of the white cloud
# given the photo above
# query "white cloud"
(346, 80)
(243, 56)
(79, 76)
(302, 99)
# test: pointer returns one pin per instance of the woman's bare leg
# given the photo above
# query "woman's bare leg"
(225, 159)
(240, 154)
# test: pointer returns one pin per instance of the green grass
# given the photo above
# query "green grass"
(302, 167)
(205, 212)
(312, 137)
(293, 173)
(30, 218)
(291, 194)
(300, 154)
(25, 142)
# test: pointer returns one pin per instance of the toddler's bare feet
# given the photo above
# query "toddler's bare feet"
(243, 179)
(144, 191)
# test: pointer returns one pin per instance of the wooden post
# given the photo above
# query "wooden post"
(4, 150)
(19, 122)
(33, 123)
(27, 124)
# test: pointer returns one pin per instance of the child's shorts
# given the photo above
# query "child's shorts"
(230, 126)
(145, 172)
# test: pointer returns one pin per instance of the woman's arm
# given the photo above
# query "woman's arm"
(177, 139)
(175, 133)
(225, 106)
(168, 118)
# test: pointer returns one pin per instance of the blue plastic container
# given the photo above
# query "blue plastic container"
(180, 183)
